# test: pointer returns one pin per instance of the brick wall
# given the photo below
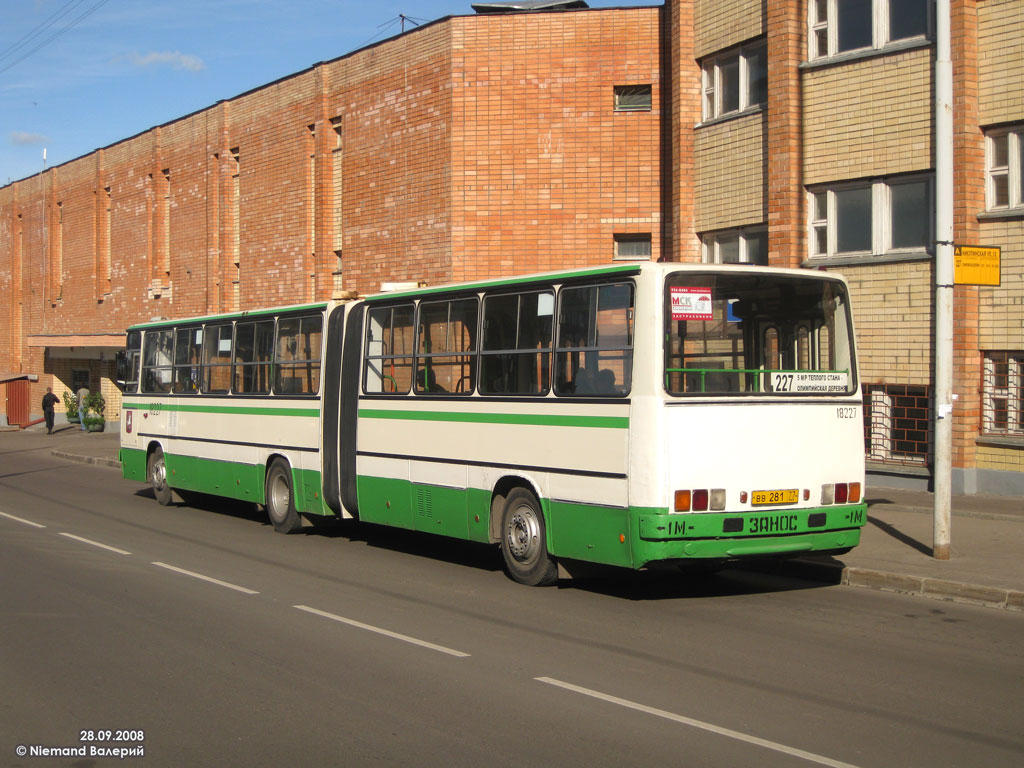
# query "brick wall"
(868, 117)
(544, 170)
(892, 306)
(721, 24)
(1000, 57)
(730, 173)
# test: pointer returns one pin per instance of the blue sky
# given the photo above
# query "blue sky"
(76, 75)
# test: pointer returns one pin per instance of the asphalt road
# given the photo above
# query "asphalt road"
(227, 644)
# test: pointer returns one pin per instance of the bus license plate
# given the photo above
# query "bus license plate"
(789, 496)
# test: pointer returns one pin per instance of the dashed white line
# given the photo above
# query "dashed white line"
(22, 520)
(772, 745)
(210, 579)
(385, 632)
(95, 544)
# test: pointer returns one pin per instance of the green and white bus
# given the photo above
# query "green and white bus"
(625, 414)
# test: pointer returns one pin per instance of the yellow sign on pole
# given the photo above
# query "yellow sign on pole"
(976, 265)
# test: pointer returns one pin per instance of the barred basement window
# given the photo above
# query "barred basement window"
(897, 423)
(1003, 393)
(632, 98)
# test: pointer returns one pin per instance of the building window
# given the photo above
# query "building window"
(634, 246)
(872, 217)
(840, 26)
(736, 246)
(897, 427)
(632, 98)
(1004, 168)
(735, 80)
(1003, 393)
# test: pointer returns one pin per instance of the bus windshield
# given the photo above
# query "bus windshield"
(756, 333)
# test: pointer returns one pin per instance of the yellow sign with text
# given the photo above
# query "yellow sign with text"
(976, 265)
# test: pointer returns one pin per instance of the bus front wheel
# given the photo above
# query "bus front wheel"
(281, 500)
(524, 541)
(157, 471)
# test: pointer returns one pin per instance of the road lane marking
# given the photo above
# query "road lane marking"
(210, 579)
(95, 544)
(385, 632)
(22, 520)
(775, 746)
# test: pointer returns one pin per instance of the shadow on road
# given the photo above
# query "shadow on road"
(900, 536)
(661, 582)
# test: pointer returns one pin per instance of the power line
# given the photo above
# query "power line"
(40, 28)
(56, 34)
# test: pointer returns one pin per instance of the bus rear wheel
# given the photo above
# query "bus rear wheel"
(157, 471)
(280, 499)
(524, 542)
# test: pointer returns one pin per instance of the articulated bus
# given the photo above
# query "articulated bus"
(627, 414)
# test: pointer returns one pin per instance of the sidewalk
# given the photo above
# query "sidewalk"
(987, 533)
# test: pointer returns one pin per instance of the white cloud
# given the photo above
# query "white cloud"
(176, 59)
(23, 138)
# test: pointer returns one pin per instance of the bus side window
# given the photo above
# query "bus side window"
(387, 362)
(594, 355)
(187, 355)
(157, 361)
(515, 357)
(297, 355)
(254, 349)
(446, 347)
(217, 358)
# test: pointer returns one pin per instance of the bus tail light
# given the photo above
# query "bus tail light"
(840, 493)
(828, 493)
(854, 493)
(682, 501)
(700, 500)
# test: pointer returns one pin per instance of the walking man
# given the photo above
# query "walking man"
(83, 393)
(49, 400)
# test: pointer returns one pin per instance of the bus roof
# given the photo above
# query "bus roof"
(320, 306)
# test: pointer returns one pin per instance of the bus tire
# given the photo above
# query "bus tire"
(280, 499)
(156, 471)
(524, 542)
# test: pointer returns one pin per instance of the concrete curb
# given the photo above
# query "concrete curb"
(937, 589)
(97, 460)
(922, 586)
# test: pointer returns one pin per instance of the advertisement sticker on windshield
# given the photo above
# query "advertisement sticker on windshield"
(691, 303)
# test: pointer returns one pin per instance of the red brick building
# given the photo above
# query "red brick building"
(785, 132)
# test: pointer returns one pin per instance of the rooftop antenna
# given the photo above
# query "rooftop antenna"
(404, 19)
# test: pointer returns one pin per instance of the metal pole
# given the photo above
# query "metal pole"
(943, 424)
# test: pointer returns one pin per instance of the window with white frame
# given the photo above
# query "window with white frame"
(1004, 168)
(632, 246)
(735, 80)
(839, 26)
(736, 246)
(1003, 393)
(871, 217)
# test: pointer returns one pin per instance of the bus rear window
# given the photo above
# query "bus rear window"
(757, 334)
